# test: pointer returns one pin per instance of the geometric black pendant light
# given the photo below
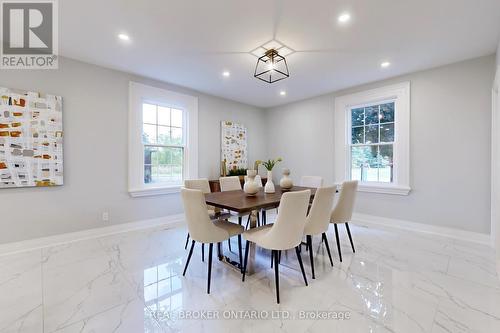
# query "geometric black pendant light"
(271, 67)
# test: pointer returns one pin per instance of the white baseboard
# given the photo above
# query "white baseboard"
(38, 243)
(469, 236)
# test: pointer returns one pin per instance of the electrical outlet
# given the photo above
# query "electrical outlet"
(105, 216)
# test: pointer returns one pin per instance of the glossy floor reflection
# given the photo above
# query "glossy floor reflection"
(397, 281)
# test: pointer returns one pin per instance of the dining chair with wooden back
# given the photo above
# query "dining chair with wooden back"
(285, 234)
(342, 212)
(203, 230)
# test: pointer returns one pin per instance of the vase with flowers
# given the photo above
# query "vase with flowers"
(269, 165)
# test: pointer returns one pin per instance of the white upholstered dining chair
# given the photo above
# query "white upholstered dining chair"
(285, 234)
(231, 183)
(203, 230)
(318, 220)
(311, 181)
(215, 214)
(342, 213)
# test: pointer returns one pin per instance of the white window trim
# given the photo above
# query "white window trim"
(137, 94)
(400, 93)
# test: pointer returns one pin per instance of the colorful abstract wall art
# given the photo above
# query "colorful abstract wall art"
(31, 139)
(234, 145)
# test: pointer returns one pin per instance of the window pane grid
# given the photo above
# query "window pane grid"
(372, 140)
(372, 144)
(163, 140)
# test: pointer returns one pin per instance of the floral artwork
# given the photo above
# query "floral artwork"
(31, 139)
(234, 145)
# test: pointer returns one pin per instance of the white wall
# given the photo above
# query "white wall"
(95, 104)
(450, 145)
(302, 134)
(495, 162)
(498, 55)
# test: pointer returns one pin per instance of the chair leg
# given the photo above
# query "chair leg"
(276, 276)
(299, 258)
(187, 241)
(247, 246)
(188, 259)
(202, 252)
(309, 245)
(264, 217)
(258, 219)
(219, 251)
(279, 258)
(338, 240)
(350, 238)
(240, 252)
(210, 248)
(248, 223)
(325, 240)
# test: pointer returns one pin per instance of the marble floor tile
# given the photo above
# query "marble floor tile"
(128, 317)
(21, 292)
(79, 281)
(397, 281)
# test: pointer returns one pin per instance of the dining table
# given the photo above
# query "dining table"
(240, 202)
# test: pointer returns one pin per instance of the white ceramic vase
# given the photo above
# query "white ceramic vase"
(269, 188)
(286, 182)
(251, 187)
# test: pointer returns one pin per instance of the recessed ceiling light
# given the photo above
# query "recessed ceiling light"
(226, 74)
(385, 64)
(282, 93)
(124, 37)
(344, 18)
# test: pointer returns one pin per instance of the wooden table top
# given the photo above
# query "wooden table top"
(239, 201)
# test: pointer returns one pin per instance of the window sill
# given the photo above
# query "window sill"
(152, 191)
(384, 189)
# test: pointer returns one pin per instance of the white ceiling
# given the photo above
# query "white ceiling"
(191, 42)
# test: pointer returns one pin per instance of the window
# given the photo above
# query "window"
(372, 131)
(372, 143)
(162, 140)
